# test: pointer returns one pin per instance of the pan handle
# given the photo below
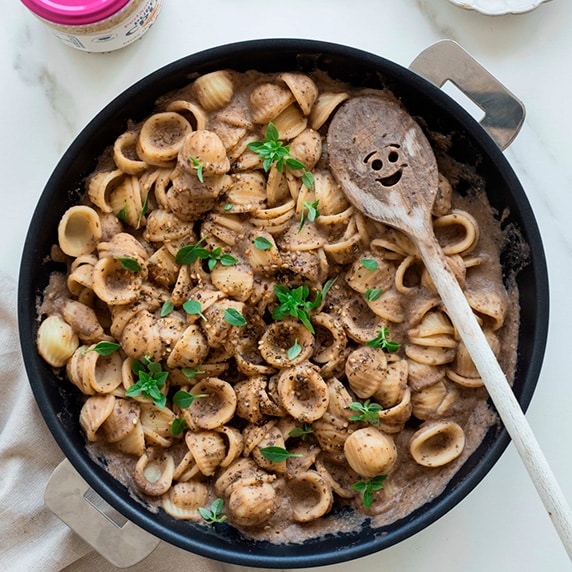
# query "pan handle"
(108, 532)
(447, 60)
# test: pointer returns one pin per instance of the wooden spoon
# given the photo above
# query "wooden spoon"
(387, 169)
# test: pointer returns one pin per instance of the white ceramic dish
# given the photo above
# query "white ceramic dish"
(499, 7)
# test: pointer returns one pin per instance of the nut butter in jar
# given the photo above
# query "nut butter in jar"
(96, 25)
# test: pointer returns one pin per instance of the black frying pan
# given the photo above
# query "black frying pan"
(60, 403)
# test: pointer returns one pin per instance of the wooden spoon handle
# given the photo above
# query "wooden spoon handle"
(499, 389)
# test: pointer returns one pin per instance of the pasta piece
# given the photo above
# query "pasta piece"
(79, 231)
(103, 373)
(125, 154)
(360, 323)
(74, 371)
(331, 199)
(56, 341)
(392, 419)
(370, 452)
(490, 305)
(153, 473)
(213, 90)
(140, 337)
(101, 186)
(326, 103)
(272, 438)
(249, 360)
(215, 409)
(303, 392)
(330, 338)
(121, 421)
(457, 232)
(253, 504)
(434, 400)
(431, 355)
(307, 148)
(133, 443)
(205, 148)
(240, 472)
(388, 306)
(247, 193)
(156, 420)
(463, 370)
(421, 375)
(161, 137)
(162, 267)
(278, 339)
(297, 239)
(378, 274)
(248, 394)
(365, 369)
(290, 122)
(393, 384)
(339, 477)
(194, 113)
(219, 329)
(311, 496)
(234, 444)
(190, 349)
(83, 320)
(183, 500)
(208, 450)
(80, 276)
(163, 226)
(94, 412)
(236, 281)
(437, 443)
(267, 101)
(303, 88)
(277, 190)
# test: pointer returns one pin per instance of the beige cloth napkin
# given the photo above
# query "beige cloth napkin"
(32, 538)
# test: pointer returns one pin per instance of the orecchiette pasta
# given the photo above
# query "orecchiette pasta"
(237, 330)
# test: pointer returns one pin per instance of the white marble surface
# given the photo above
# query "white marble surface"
(49, 92)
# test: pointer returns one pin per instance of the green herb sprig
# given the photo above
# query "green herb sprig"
(198, 166)
(190, 253)
(309, 213)
(151, 379)
(214, 514)
(143, 210)
(234, 317)
(294, 302)
(128, 263)
(294, 351)
(277, 454)
(178, 426)
(303, 432)
(368, 412)
(382, 341)
(167, 308)
(194, 307)
(184, 399)
(262, 243)
(273, 151)
(103, 348)
(372, 294)
(368, 487)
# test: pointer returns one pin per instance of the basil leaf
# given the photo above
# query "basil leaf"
(234, 317)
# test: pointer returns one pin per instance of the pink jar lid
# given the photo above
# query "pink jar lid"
(74, 12)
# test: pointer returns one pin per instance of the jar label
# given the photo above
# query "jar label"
(119, 36)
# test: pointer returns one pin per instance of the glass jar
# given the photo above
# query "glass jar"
(96, 25)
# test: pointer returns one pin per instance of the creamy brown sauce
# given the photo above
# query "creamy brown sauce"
(408, 485)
